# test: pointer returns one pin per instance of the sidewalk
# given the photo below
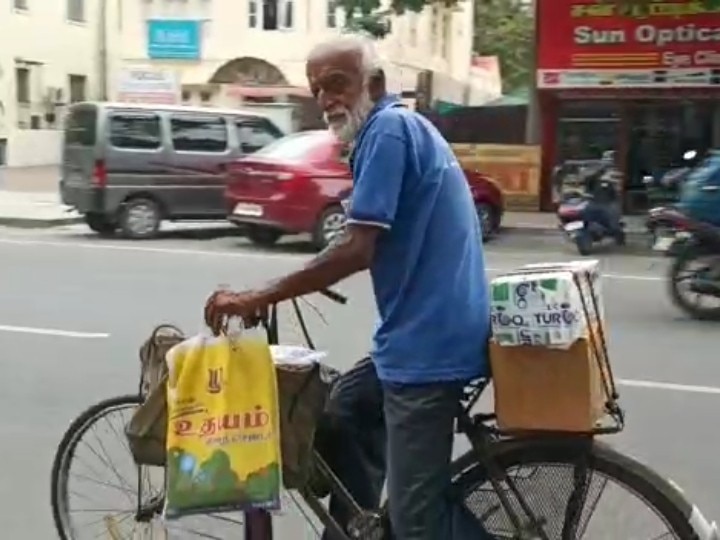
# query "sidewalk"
(546, 222)
(34, 210)
(44, 209)
(40, 179)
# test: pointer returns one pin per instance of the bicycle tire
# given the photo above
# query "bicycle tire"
(67, 445)
(662, 496)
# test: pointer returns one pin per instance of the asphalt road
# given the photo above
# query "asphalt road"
(74, 310)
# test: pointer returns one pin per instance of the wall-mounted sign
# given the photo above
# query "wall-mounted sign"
(173, 39)
(147, 85)
(590, 43)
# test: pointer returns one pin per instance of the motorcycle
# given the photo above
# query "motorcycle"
(667, 188)
(694, 276)
(698, 201)
(589, 215)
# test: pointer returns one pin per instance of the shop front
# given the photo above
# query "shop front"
(642, 81)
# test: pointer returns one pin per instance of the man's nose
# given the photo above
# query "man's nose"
(326, 101)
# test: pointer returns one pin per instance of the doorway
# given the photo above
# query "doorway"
(658, 135)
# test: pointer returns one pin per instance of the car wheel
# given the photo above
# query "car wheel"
(486, 214)
(140, 218)
(263, 236)
(100, 224)
(329, 226)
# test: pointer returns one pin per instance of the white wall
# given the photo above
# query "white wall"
(227, 35)
(31, 147)
(53, 48)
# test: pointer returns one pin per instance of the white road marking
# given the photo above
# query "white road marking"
(52, 332)
(146, 249)
(653, 385)
(609, 275)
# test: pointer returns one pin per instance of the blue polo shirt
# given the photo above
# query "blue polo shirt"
(428, 272)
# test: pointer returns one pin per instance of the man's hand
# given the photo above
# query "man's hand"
(250, 306)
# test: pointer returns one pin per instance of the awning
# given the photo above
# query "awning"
(265, 91)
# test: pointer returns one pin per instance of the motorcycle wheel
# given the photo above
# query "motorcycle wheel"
(583, 241)
(688, 255)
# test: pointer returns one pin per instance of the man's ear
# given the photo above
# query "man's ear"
(376, 84)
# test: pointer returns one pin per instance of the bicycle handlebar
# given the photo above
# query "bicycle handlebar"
(334, 296)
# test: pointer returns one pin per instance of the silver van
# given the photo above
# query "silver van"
(129, 167)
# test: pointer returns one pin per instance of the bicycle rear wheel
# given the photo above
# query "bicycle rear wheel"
(127, 503)
(545, 473)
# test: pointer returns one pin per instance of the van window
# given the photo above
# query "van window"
(199, 134)
(254, 134)
(81, 126)
(137, 131)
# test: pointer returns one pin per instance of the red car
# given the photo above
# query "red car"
(296, 185)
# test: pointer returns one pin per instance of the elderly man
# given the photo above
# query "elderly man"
(412, 223)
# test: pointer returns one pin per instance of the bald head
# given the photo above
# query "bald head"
(359, 51)
(346, 78)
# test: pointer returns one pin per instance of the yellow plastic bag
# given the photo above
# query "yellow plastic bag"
(223, 442)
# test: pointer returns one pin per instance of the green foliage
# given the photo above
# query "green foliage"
(506, 29)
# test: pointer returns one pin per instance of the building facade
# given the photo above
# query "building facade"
(40, 75)
(223, 51)
(643, 82)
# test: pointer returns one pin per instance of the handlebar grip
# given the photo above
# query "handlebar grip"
(334, 296)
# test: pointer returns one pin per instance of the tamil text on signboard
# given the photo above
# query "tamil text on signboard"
(148, 86)
(587, 43)
(516, 168)
(173, 39)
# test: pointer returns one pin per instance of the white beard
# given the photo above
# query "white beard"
(353, 119)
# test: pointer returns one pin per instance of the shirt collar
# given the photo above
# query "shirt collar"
(388, 100)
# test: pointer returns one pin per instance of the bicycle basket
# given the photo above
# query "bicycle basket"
(146, 431)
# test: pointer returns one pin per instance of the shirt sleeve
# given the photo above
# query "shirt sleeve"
(379, 169)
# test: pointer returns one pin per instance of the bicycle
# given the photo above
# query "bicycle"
(505, 480)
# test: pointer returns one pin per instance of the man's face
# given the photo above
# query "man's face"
(338, 84)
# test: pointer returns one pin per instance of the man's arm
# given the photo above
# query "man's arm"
(378, 180)
(351, 253)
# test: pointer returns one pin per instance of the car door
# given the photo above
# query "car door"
(200, 151)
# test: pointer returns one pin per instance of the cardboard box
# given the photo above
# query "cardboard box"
(549, 304)
(547, 389)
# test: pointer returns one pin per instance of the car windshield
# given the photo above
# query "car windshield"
(293, 147)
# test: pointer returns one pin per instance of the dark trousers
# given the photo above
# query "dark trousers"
(404, 433)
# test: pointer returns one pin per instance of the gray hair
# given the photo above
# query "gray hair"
(365, 46)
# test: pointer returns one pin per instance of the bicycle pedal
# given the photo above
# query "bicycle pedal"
(366, 526)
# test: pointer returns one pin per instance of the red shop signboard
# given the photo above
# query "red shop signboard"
(594, 43)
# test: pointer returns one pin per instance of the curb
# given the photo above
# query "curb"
(554, 231)
(35, 223)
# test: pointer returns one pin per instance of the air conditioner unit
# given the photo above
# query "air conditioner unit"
(23, 117)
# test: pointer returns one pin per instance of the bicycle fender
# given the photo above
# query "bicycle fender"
(704, 529)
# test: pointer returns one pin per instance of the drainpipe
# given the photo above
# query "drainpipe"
(103, 50)
(532, 123)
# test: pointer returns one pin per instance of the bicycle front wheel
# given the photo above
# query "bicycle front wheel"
(98, 491)
(575, 488)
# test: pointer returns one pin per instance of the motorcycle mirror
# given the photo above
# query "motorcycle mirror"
(690, 154)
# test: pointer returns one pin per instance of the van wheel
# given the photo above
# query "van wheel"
(329, 226)
(263, 236)
(100, 224)
(140, 218)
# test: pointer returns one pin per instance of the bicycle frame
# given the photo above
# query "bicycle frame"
(374, 526)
